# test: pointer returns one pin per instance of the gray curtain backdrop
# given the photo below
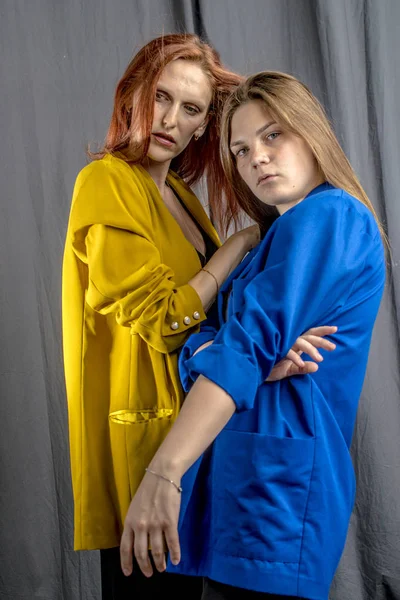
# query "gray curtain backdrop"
(59, 63)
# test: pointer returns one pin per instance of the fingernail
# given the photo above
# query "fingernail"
(319, 356)
(126, 571)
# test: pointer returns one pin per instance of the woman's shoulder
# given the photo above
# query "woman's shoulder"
(109, 168)
(110, 186)
(346, 205)
(111, 179)
(337, 208)
(337, 198)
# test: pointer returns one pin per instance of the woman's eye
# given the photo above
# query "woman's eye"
(191, 110)
(160, 96)
(272, 136)
(240, 152)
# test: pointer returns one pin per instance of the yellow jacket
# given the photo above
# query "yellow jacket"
(125, 273)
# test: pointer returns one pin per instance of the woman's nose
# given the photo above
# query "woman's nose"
(171, 117)
(259, 156)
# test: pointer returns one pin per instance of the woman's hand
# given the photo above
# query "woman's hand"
(152, 522)
(293, 364)
(309, 342)
(251, 234)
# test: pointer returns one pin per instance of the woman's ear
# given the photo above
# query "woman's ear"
(201, 129)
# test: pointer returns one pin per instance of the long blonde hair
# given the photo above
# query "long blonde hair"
(293, 105)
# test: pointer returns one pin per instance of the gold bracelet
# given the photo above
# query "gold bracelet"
(213, 276)
(178, 487)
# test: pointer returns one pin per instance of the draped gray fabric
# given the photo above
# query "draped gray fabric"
(59, 65)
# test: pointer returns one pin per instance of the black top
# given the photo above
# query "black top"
(210, 246)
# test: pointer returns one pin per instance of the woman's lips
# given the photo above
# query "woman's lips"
(265, 179)
(164, 140)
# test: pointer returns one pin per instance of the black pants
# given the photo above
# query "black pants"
(220, 591)
(115, 586)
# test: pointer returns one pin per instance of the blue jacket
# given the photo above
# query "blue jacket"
(267, 506)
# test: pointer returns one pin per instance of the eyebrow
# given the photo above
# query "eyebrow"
(258, 132)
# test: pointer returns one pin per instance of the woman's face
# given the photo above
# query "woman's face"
(277, 165)
(181, 105)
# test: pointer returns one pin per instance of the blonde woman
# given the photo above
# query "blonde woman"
(266, 506)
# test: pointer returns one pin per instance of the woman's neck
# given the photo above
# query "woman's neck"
(158, 172)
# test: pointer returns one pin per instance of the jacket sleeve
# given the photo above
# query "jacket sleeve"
(207, 333)
(112, 233)
(188, 376)
(317, 253)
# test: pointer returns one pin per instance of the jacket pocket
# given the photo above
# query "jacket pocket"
(139, 417)
(139, 421)
(260, 490)
(135, 436)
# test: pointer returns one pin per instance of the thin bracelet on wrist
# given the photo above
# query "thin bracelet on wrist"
(178, 487)
(213, 276)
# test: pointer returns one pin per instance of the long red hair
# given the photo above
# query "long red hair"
(131, 122)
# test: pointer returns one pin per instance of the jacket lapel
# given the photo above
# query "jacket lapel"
(236, 281)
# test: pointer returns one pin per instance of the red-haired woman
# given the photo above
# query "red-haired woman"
(141, 268)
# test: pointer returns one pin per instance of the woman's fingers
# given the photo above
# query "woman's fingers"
(319, 342)
(321, 331)
(140, 542)
(309, 342)
(318, 335)
(287, 368)
(295, 358)
(174, 548)
(126, 550)
(157, 549)
(141, 547)
(307, 347)
(309, 367)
